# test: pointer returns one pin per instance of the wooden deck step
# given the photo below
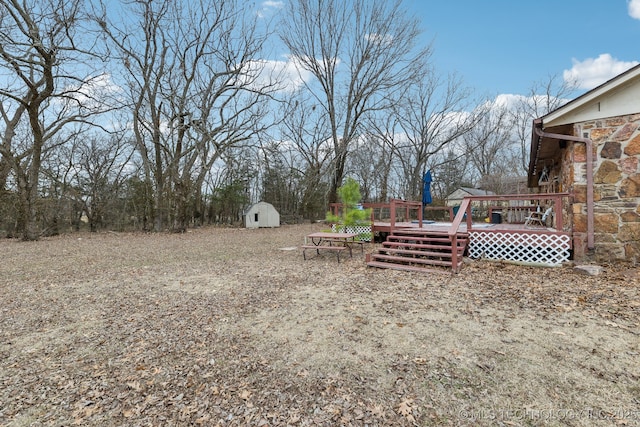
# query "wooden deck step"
(405, 267)
(394, 259)
(419, 235)
(415, 231)
(423, 233)
(424, 240)
(416, 252)
(420, 241)
(421, 246)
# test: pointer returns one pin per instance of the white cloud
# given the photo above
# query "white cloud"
(268, 6)
(281, 75)
(94, 93)
(634, 8)
(593, 72)
(293, 74)
(274, 4)
(508, 101)
(381, 39)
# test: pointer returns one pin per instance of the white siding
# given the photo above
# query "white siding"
(262, 214)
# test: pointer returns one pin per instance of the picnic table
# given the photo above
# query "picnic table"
(329, 241)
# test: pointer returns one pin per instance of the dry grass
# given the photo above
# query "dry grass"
(231, 327)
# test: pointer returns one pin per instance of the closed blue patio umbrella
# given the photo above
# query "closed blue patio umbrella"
(426, 189)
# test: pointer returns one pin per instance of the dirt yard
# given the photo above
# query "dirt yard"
(231, 327)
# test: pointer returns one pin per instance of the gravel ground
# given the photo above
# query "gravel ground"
(231, 327)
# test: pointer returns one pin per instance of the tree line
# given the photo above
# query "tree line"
(166, 114)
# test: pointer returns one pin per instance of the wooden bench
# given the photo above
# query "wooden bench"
(336, 249)
(359, 242)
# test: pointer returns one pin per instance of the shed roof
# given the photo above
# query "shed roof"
(472, 191)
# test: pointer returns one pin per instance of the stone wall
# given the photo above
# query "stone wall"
(616, 145)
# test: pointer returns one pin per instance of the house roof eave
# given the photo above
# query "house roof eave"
(621, 79)
(554, 119)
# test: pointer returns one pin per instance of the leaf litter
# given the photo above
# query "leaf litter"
(220, 326)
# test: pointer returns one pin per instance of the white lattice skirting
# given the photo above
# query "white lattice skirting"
(549, 249)
(363, 232)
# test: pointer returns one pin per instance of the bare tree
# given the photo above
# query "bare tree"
(358, 54)
(47, 82)
(487, 144)
(86, 175)
(101, 171)
(305, 128)
(370, 164)
(280, 178)
(374, 157)
(193, 78)
(230, 194)
(432, 116)
(543, 97)
(450, 171)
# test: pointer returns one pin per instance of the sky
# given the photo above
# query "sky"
(505, 46)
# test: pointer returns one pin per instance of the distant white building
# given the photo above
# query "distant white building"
(261, 215)
(455, 198)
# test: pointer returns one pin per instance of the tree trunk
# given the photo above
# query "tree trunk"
(180, 220)
(338, 175)
(158, 208)
(27, 213)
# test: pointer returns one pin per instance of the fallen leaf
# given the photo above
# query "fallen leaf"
(405, 409)
(377, 411)
(135, 385)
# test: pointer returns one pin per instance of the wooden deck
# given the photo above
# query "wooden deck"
(498, 240)
(504, 241)
(385, 227)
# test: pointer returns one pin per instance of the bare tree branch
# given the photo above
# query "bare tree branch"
(40, 58)
(358, 56)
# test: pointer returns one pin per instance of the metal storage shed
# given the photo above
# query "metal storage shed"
(262, 214)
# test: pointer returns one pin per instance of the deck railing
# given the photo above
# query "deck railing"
(412, 209)
(529, 245)
(536, 201)
(540, 245)
(396, 208)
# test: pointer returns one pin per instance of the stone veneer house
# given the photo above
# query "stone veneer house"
(590, 148)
